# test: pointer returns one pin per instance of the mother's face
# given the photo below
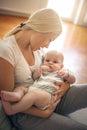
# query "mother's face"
(39, 40)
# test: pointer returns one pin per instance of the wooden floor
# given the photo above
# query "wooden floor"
(72, 42)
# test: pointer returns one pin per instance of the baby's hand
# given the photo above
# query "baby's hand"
(54, 67)
(38, 71)
(45, 68)
(63, 74)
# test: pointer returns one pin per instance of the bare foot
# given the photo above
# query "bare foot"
(7, 107)
(10, 96)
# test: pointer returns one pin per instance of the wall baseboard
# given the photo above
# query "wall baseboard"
(13, 13)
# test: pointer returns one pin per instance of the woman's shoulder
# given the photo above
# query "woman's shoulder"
(4, 47)
(5, 44)
(7, 50)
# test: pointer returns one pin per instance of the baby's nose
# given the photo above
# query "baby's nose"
(50, 62)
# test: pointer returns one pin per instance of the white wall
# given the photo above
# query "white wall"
(21, 7)
(74, 11)
(81, 14)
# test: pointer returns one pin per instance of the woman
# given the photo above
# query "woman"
(21, 50)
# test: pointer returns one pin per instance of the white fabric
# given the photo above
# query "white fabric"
(10, 51)
(46, 82)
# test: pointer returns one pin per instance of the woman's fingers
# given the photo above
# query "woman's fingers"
(63, 87)
(53, 104)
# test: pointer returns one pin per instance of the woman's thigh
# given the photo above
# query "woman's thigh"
(54, 122)
(74, 99)
(79, 115)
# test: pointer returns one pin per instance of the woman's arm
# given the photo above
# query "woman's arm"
(6, 75)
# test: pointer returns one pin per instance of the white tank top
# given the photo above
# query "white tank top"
(10, 51)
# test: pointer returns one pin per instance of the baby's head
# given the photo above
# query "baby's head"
(54, 57)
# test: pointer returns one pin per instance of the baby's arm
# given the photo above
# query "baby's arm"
(37, 73)
(67, 75)
(71, 78)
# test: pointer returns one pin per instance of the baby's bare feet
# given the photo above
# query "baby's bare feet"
(7, 107)
(10, 96)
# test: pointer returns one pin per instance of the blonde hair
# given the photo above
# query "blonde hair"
(44, 21)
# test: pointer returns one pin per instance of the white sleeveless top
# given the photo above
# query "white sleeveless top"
(10, 51)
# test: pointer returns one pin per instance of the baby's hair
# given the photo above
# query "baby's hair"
(56, 53)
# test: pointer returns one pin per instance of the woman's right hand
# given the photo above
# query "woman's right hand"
(51, 107)
(53, 103)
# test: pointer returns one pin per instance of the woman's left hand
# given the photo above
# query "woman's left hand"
(63, 87)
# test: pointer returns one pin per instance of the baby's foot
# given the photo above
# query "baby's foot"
(10, 96)
(7, 107)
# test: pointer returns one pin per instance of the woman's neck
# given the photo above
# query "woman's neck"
(22, 39)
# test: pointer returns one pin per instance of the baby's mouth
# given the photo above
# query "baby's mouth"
(50, 67)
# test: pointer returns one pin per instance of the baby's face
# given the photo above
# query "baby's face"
(53, 61)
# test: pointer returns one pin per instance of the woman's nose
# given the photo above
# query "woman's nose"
(47, 45)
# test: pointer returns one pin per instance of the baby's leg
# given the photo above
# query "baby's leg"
(42, 98)
(36, 97)
(13, 108)
(14, 96)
